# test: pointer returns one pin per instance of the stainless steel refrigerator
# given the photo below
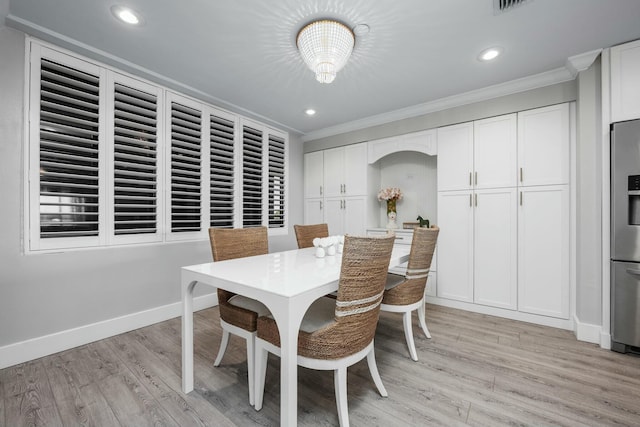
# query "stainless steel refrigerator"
(625, 236)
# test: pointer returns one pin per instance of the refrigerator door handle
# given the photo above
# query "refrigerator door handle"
(633, 271)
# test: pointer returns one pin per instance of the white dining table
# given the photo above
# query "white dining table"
(287, 283)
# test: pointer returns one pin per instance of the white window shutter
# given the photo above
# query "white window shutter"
(222, 165)
(252, 176)
(136, 158)
(276, 190)
(185, 170)
(68, 151)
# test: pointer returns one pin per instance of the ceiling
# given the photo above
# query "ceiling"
(242, 56)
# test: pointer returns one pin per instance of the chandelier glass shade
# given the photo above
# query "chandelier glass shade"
(325, 47)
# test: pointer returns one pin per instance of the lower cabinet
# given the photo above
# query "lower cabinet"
(506, 248)
(313, 211)
(345, 215)
(543, 250)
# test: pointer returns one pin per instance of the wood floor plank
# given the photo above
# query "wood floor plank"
(82, 405)
(477, 370)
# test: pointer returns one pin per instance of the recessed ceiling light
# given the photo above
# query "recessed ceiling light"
(126, 15)
(310, 112)
(490, 54)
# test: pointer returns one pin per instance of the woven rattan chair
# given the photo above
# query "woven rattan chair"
(239, 314)
(336, 333)
(404, 294)
(306, 233)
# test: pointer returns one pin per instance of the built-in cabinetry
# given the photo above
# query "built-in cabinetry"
(493, 176)
(336, 188)
(625, 82)
(404, 237)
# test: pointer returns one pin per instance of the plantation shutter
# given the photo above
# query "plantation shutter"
(222, 173)
(135, 161)
(186, 168)
(276, 164)
(251, 177)
(69, 115)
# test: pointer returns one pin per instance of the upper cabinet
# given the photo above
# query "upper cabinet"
(480, 154)
(455, 157)
(345, 171)
(625, 82)
(313, 173)
(543, 146)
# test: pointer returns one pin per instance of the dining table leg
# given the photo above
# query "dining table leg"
(187, 335)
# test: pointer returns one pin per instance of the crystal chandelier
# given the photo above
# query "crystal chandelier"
(325, 47)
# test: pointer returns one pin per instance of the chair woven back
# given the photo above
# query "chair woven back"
(365, 261)
(412, 289)
(306, 233)
(231, 243)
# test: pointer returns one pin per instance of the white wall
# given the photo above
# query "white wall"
(56, 293)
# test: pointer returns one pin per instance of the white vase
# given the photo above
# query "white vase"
(391, 221)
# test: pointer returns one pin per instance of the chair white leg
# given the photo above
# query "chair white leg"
(340, 384)
(373, 369)
(423, 320)
(223, 347)
(260, 373)
(408, 334)
(251, 367)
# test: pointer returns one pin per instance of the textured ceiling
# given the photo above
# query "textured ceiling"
(242, 54)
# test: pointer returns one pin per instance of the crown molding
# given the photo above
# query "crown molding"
(578, 63)
(536, 81)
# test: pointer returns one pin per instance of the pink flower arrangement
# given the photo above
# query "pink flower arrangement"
(391, 193)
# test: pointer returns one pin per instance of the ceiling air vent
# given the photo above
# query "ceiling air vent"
(501, 6)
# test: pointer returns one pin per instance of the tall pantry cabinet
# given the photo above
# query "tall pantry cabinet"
(336, 188)
(503, 210)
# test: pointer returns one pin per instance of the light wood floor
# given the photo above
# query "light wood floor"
(477, 370)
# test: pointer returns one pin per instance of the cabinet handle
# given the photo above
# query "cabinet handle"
(521, 198)
(321, 190)
(470, 181)
(345, 204)
(520, 174)
(470, 200)
(320, 204)
(476, 197)
(476, 178)
(345, 188)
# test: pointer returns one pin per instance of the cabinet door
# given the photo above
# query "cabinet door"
(355, 170)
(455, 157)
(455, 245)
(354, 216)
(313, 211)
(334, 172)
(625, 82)
(334, 215)
(313, 174)
(495, 247)
(543, 251)
(543, 145)
(495, 160)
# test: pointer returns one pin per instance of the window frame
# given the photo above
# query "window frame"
(109, 77)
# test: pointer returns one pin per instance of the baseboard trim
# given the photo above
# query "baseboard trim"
(35, 348)
(587, 332)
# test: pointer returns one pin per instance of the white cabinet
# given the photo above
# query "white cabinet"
(494, 152)
(477, 246)
(543, 146)
(455, 245)
(495, 254)
(455, 157)
(345, 171)
(420, 142)
(314, 211)
(480, 154)
(313, 174)
(625, 82)
(345, 215)
(543, 251)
